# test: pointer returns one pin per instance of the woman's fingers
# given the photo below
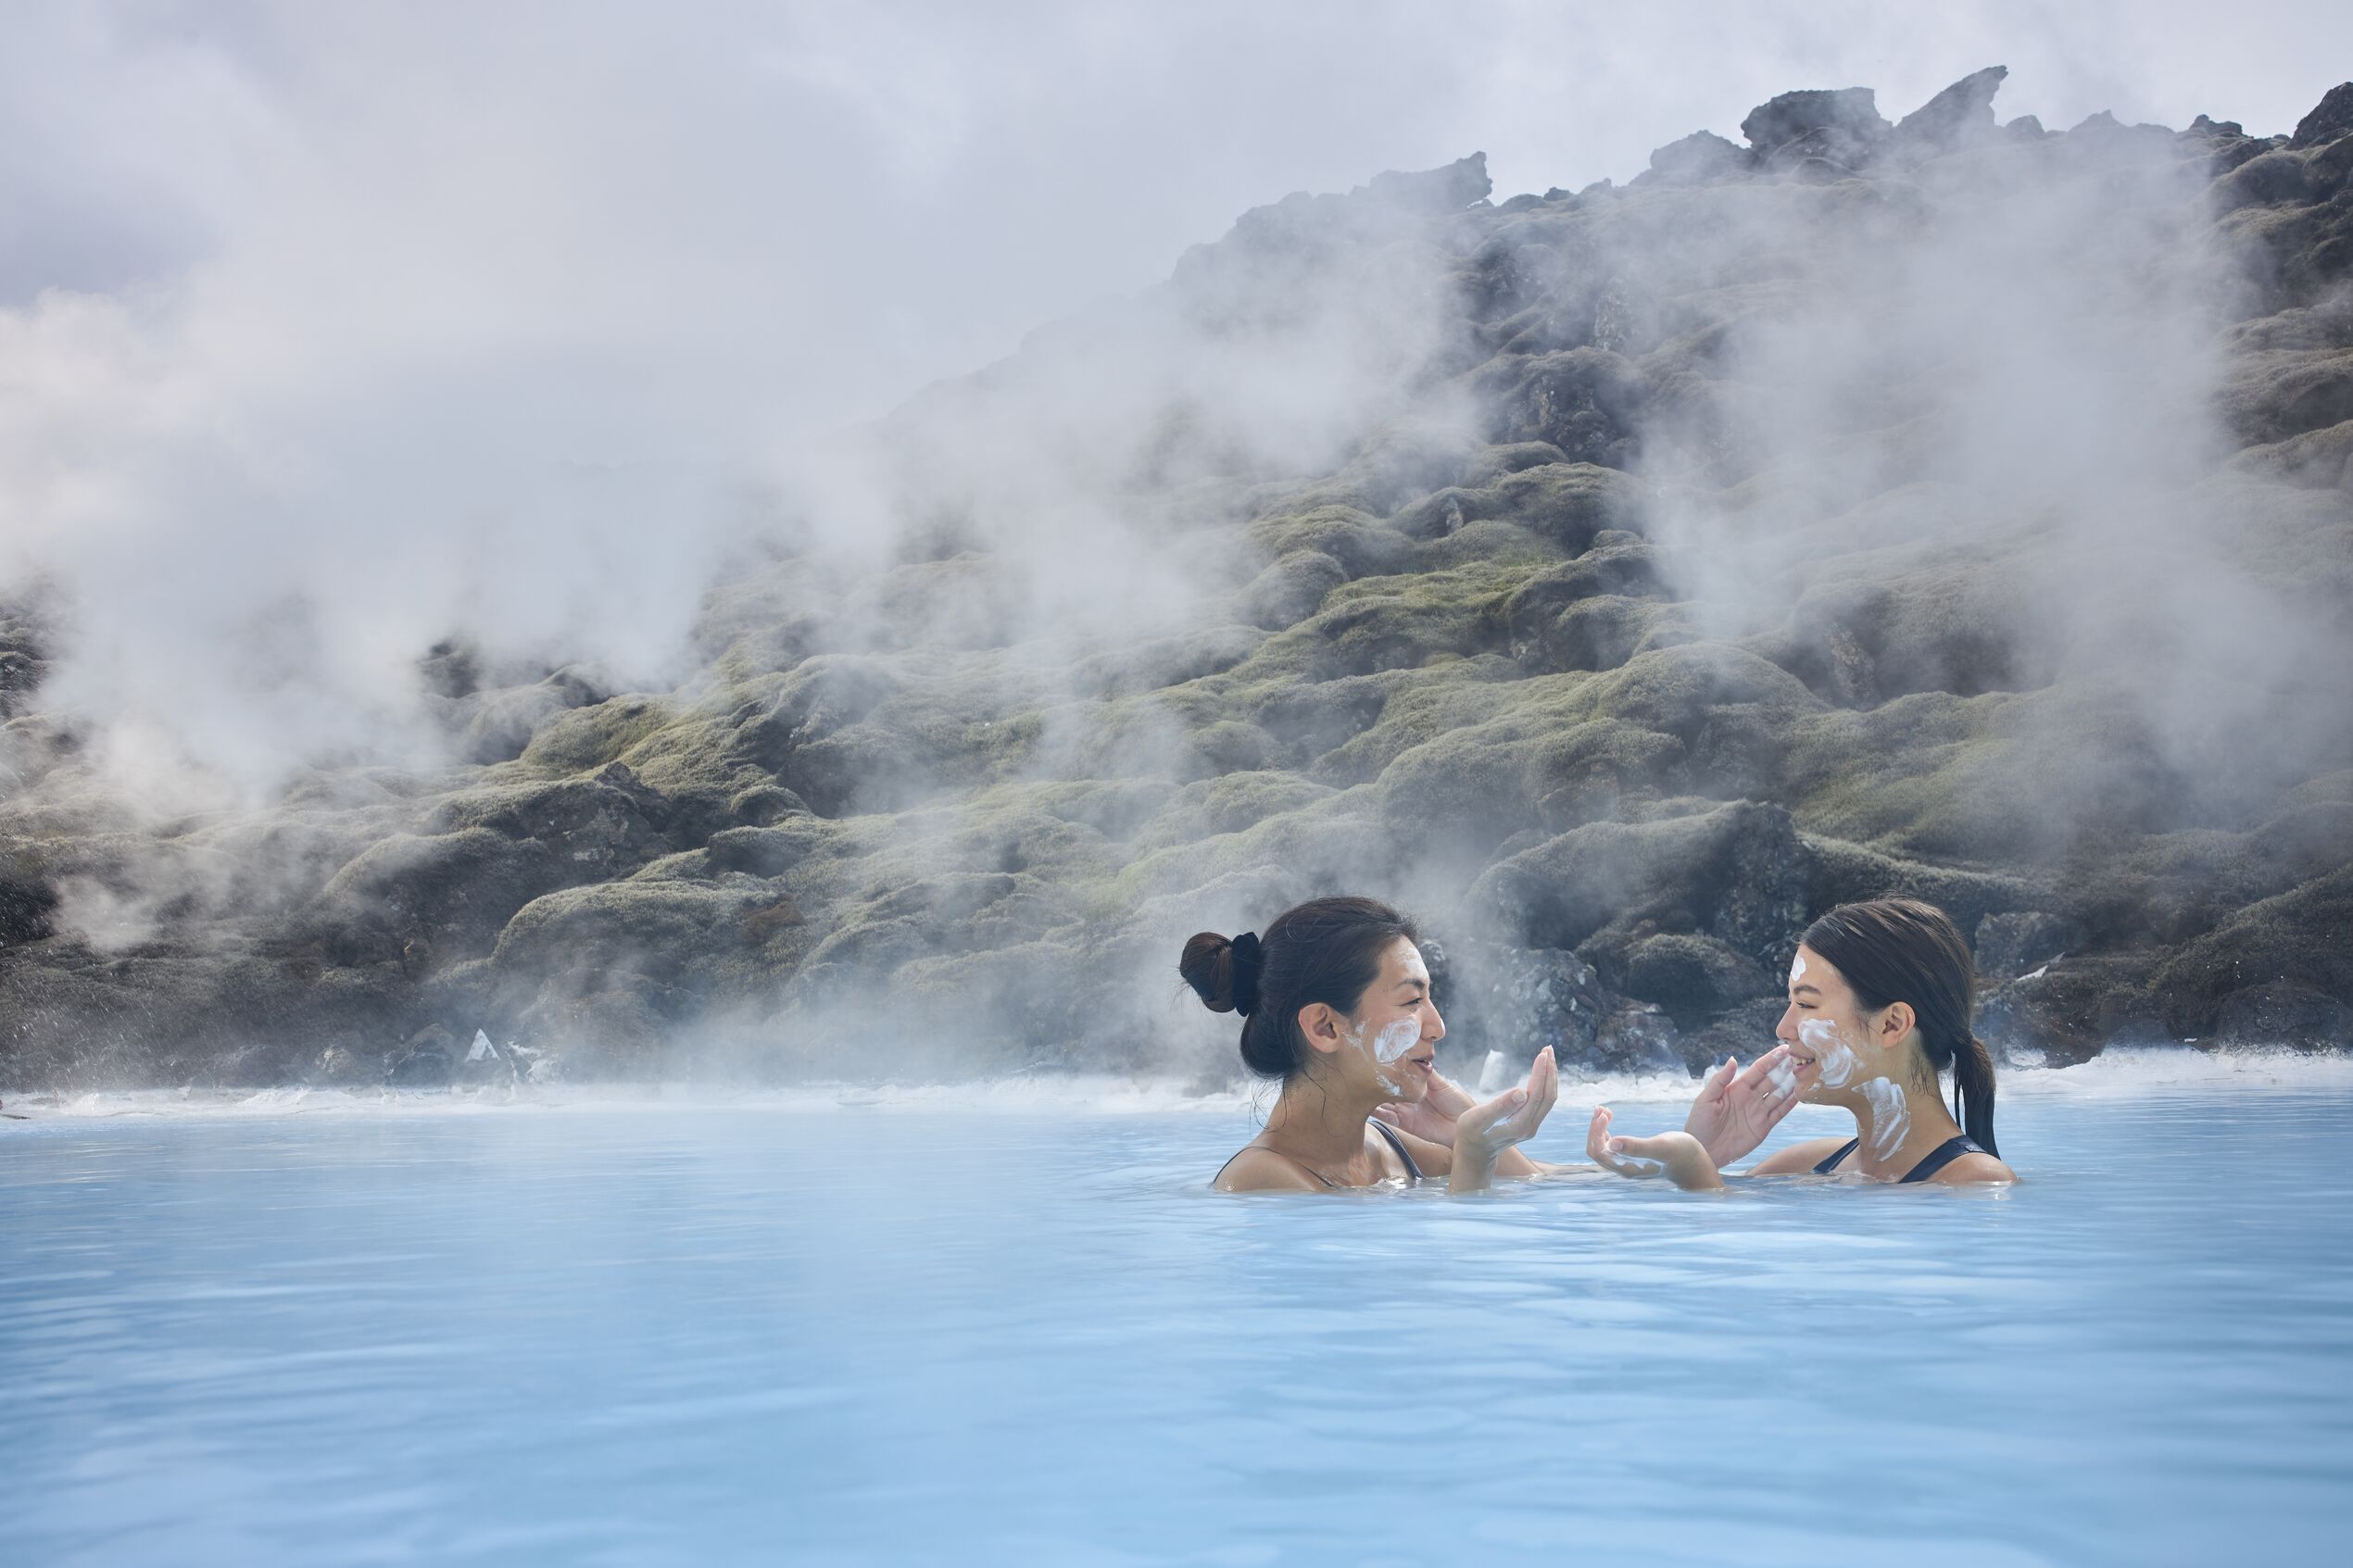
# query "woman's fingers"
(1778, 1103)
(1767, 1072)
(1447, 1097)
(1656, 1148)
(1624, 1157)
(1514, 1116)
(1597, 1137)
(1721, 1079)
(1543, 1089)
(1480, 1118)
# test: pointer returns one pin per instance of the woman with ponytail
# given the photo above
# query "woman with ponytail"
(1335, 1004)
(1880, 1002)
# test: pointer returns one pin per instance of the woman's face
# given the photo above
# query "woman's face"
(1831, 1041)
(1390, 1043)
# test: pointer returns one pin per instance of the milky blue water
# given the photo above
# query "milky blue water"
(1022, 1333)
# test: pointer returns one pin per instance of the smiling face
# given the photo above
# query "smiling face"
(1388, 1046)
(1835, 1044)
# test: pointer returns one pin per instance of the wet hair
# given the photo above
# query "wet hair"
(1325, 950)
(1903, 950)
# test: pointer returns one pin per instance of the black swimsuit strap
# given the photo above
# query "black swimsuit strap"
(1943, 1154)
(1413, 1171)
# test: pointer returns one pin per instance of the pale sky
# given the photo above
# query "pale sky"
(774, 217)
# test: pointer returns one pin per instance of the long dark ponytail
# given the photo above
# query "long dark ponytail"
(1325, 950)
(1903, 950)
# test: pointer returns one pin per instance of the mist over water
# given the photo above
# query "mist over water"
(474, 570)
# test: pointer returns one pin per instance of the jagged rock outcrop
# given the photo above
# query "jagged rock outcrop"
(1961, 113)
(1650, 568)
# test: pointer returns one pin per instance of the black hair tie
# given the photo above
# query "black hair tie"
(1246, 966)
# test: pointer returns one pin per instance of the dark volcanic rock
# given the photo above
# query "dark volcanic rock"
(1743, 1030)
(1840, 125)
(1437, 190)
(1516, 1001)
(2283, 1014)
(22, 665)
(2297, 939)
(27, 903)
(2329, 119)
(1693, 977)
(1700, 156)
(1639, 1040)
(1960, 113)
(456, 890)
(427, 1062)
(1736, 873)
(2008, 946)
(1587, 402)
(2064, 1013)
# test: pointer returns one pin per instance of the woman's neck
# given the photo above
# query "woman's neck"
(1900, 1123)
(1318, 1123)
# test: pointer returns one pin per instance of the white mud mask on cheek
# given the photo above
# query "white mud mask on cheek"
(1839, 1067)
(1890, 1114)
(1396, 1040)
(1386, 1047)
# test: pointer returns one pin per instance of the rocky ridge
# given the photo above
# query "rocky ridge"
(1486, 659)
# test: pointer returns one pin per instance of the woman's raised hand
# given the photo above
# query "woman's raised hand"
(1513, 1116)
(1483, 1132)
(1735, 1111)
(1679, 1157)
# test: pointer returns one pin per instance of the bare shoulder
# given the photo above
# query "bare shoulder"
(1262, 1170)
(1434, 1158)
(1971, 1168)
(1798, 1158)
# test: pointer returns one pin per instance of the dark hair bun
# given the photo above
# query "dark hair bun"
(1208, 967)
(1325, 950)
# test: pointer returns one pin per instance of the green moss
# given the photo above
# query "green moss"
(584, 739)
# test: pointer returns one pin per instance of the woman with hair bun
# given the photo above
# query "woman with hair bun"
(1335, 1004)
(1880, 1003)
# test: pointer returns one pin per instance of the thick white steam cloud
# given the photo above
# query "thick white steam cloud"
(328, 332)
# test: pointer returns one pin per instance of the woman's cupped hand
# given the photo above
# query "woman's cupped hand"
(1512, 1117)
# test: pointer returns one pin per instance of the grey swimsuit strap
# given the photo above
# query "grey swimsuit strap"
(1413, 1171)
